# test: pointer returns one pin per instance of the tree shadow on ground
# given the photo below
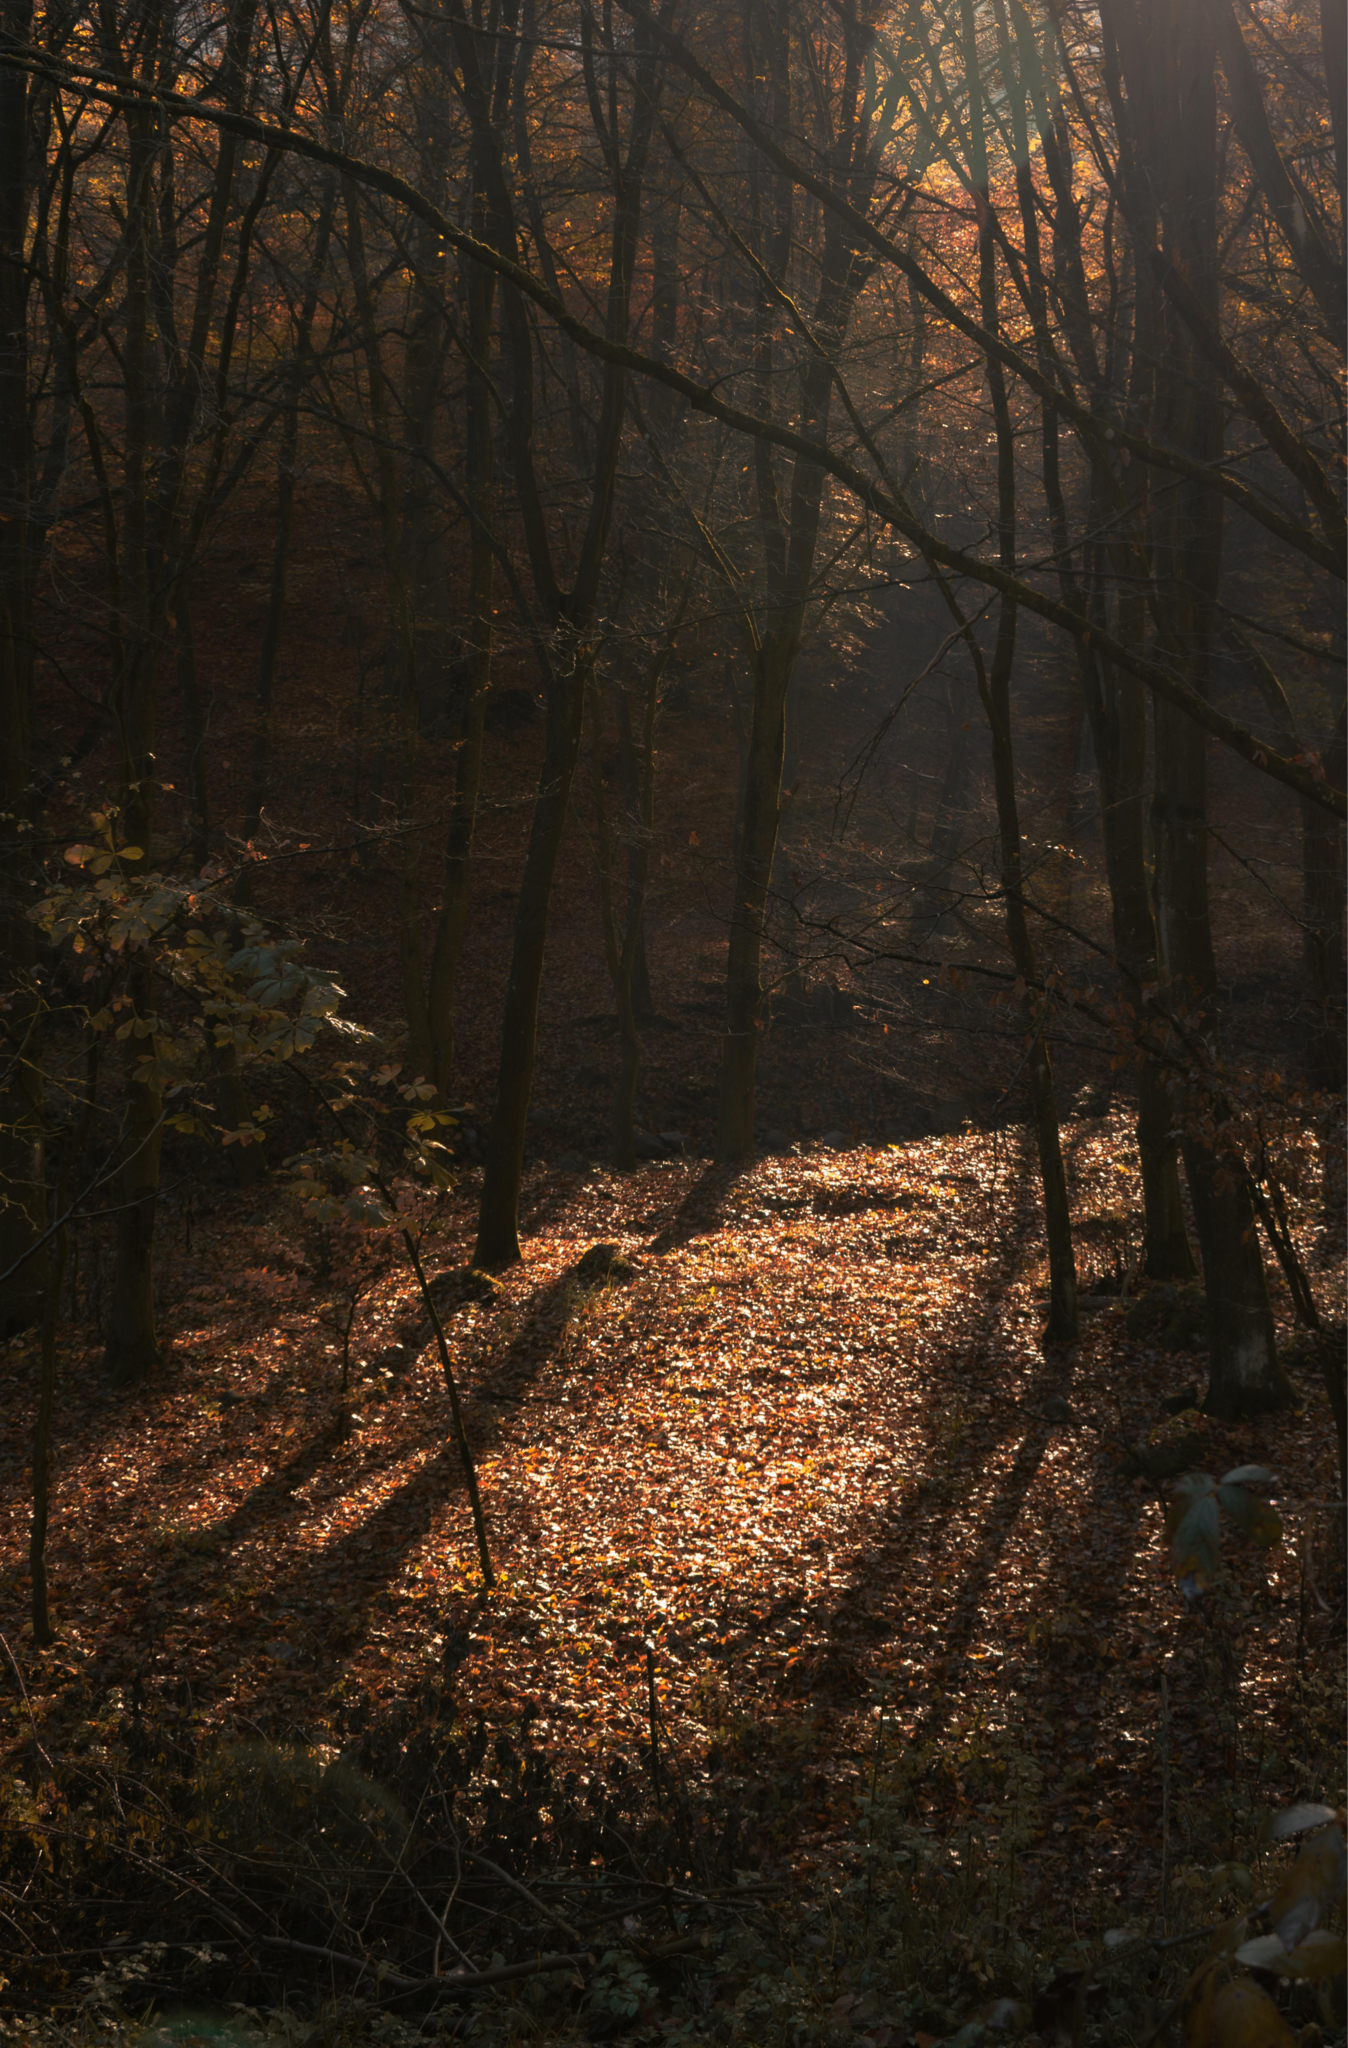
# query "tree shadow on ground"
(701, 1210)
(917, 1517)
(919, 1544)
(354, 1568)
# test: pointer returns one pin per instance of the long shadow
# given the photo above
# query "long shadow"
(348, 1574)
(551, 1201)
(372, 1554)
(925, 1508)
(701, 1210)
(534, 1345)
(83, 1427)
(272, 1495)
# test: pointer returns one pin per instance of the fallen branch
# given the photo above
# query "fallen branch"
(548, 1912)
(452, 1983)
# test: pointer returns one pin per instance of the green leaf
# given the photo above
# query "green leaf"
(1252, 1516)
(1249, 1475)
(1193, 1487)
(1196, 1543)
(1319, 1956)
(1311, 1889)
(1295, 1820)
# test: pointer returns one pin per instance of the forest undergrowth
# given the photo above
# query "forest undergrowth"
(835, 1686)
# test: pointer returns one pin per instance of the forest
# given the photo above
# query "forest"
(672, 1023)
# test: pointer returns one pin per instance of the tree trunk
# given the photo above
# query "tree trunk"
(617, 956)
(637, 779)
(1119, 716)
(994, 685)
(403, 719)
(994, 688)
(132, 1350)
(194, 729)
(424, 509)
(1322, 849)
(259, 763)
(54, 1263)
(1113, 702)
(622, 944)
(760, 813)
(458, 858)
(498, 1241)
(22, 1119)
(1245, 1376)
(570, 616)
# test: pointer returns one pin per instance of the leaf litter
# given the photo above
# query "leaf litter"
(799, 1458)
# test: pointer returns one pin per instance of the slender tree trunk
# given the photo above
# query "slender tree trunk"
(132, 1348)
(616, 957)
(423, 509)
(498, 1216)
(259, 758)
(1245, 1376)
(420, 1057)
(1322, 851)
(621, 945)
(570, 615)
(457, 874)
(22, 1119)
(638, 766)
(1114, 703)
(1119, 718)
(194, 725)
(636, 754)
(452, 921)
(1119, 715)
(994, 688)
(54, 1263)
(259, 763)
(994, 685)
(760, 814)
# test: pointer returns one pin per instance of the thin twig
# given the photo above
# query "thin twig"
(548, 1912)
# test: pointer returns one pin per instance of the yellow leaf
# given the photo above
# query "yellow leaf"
(1198, 2018)
(1309, 1890)
(1243, 2016)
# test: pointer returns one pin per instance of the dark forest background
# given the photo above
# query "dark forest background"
(673, 698)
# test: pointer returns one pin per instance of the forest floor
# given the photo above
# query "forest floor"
(807, 1468)
(808, 1462)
